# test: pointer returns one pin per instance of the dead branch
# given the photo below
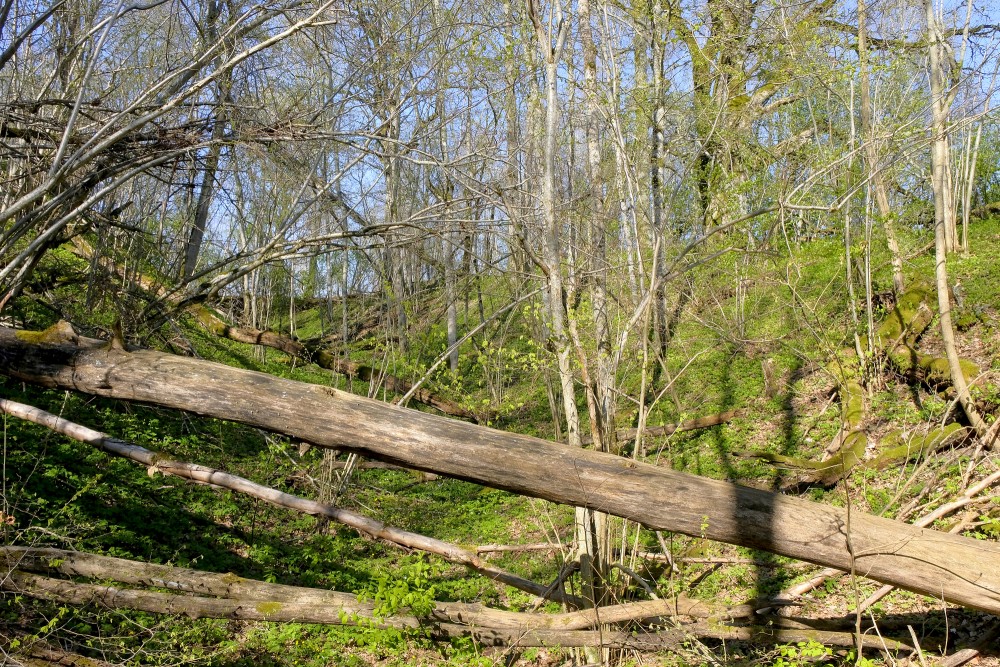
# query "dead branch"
(233, 597)
(495, 548)
(197, 584)
(158, 463)
(627, 434)
(311, 352)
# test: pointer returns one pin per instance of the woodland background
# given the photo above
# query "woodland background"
(751, 240)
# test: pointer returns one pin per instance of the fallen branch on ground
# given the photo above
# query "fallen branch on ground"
(159, 463)
(496, 548)
(627, 434)
(969, 653)
(205, 594)
(329, 603)
(312, 352)
(38, 654)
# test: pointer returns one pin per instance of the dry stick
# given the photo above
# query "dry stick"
(248, 599)
(565, 571)
(964, 655)
(966, 498)
(632, 574)
(916, 645)
(541, 546)
(205, 475)
(365, 465)
(651, 555)
(627, 434)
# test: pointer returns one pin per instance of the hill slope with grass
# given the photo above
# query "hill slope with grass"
(768, 342)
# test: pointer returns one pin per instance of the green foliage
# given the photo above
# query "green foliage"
(802, 654)
(989, 526)
(411, 587)
(68, 493)
(852, 659)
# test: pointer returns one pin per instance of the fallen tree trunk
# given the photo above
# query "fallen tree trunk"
(324, 358)
(207, 594)
(110, 597)
(39, 654)
(946, 567)
(236, 597)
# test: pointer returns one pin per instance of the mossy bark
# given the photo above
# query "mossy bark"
(822, 473)
(904, 448)
(898, 334)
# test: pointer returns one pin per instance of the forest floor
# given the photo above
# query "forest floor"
(755, 337)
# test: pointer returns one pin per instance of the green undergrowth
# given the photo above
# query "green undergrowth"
(757, 334)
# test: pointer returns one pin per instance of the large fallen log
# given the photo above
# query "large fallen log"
(946, 567)
(316, 605)
(40, 654)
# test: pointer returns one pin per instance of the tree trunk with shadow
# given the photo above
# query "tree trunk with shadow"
(946, 567)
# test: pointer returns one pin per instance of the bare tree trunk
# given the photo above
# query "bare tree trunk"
(585, 546)
(602, 405)
(551, 243)
(205, 195)
(196, 236)
(944, 218)
(598, 233)
(448, 235)
(970, 183)
(877, 180)
(395, 255)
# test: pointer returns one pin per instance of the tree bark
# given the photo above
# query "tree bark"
(946, 567)
(559, 318)
(206, 192)
(43, 655)
(871, 152)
